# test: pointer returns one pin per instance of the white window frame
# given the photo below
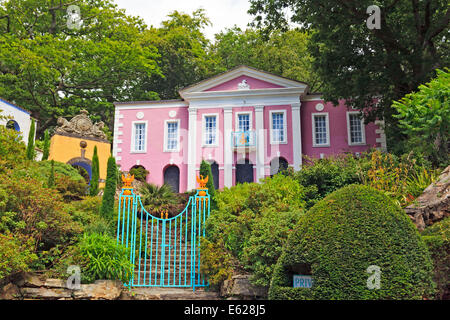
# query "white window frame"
(236, 125)
(204, 145)
(133, 136)
(285, 124)
(166, 135)
(363, 129)
(327, 123)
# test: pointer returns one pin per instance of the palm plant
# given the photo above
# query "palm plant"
(156, 199)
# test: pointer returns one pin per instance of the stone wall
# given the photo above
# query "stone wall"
(434, 204)
(33, 287)
(240, 288)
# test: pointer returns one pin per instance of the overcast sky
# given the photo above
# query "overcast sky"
(222, 13)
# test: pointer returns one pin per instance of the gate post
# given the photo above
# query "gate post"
(199, 215)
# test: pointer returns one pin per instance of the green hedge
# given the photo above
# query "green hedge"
(437, 238)
(340, 237)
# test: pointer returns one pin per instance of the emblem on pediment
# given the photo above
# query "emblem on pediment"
(82, 126)
(243, 85)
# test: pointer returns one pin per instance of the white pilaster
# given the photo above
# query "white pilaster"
(261, 143)
(228, 151)
(192, 148)
(297, 136)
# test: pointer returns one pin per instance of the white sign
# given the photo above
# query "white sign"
(301, 281)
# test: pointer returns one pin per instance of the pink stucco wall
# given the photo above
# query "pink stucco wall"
(155, 159)
(338, 130)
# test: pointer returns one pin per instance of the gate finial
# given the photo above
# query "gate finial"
(202, 181)
(127, 183)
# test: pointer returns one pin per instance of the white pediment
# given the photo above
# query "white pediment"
(278, 82)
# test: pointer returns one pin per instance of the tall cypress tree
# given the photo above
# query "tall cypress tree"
(30, 147)
(51, 177)
(205, 170)
(93, 190)
(46, 146)
(107, 209)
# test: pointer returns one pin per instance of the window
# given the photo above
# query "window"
(139, 143)
(244, 122)
(321, 131)
(210, 130)
(171, 136)
(355, 125)
(278, 132)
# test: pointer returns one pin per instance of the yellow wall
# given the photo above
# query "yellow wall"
(64, 149)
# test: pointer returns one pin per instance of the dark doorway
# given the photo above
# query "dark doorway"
(244, 172)
(215, 174)
(172, 178)
(278, 165)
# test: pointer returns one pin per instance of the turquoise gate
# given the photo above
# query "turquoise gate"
(165, 251)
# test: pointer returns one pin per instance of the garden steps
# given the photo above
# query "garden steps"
(159, 293)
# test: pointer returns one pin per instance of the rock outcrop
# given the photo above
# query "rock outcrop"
(434, 204)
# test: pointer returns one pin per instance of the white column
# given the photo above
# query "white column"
(297, 136)
(261, 143)
(228, 151)
(192, 148)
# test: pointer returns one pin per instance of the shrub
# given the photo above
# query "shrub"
(35, 212)
(437, 238)
(323, 176)
(266, 242)
(44, 167)
(157, 199)
(70, 189)
(107, 208)
(31, 153)
(402, 179)
(93, 190)
(139, 173)
(424, 117)
(243, 216)
(46, 145)
(101, 258)
(340, 237)
(217, 262)
(12, 149)
(205, 171)
(15, 256)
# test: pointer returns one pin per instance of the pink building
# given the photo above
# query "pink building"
(247, 123)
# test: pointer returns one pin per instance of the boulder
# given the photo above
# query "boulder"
(100, 290)
(240, 286)
(46, 293)
(434, 204)
(10, 292)
(31, 280)
(55, 283)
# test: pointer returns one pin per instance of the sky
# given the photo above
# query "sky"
(222, 13)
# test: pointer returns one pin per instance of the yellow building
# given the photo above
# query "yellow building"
(74, 142)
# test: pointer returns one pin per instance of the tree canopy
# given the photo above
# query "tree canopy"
(357, 63)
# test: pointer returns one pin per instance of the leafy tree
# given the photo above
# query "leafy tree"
(282, 53)
(205, 171)
(30, 146)
(51, 176)
(93, 190)
(424, 117)
(54, 70)
(46, 145)
(185, 57)
(357, 63)
(107, 208)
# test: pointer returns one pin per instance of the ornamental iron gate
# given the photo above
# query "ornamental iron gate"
(165, 252)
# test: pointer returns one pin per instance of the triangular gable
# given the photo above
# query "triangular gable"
(233, 80)
(244, 83)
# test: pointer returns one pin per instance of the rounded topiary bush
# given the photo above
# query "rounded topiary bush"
(340, 237)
